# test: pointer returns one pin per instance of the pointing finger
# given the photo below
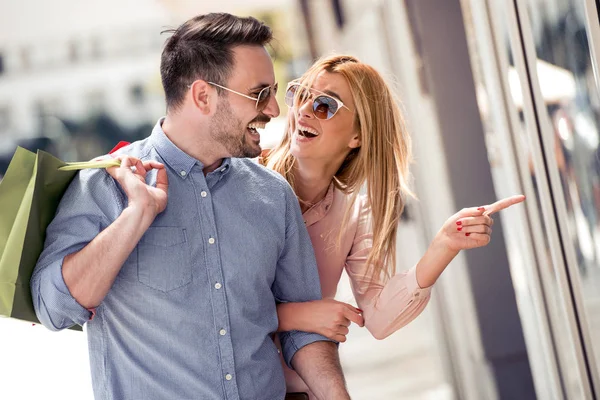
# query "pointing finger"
(504, 203)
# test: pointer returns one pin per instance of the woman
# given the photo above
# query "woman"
(346, 130)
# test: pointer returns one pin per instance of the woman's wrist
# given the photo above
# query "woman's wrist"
(288, 317)
(440, 246)
(434, 261)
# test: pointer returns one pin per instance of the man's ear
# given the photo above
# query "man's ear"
(203, 95)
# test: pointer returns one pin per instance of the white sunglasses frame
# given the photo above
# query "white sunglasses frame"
(340, 104)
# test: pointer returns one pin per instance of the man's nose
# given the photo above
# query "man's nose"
(272, 108)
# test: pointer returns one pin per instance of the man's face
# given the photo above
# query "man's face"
(236, 118)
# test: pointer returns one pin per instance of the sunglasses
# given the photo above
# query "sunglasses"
(324, 106)
(261, 100)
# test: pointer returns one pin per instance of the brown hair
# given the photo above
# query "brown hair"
(201, 48)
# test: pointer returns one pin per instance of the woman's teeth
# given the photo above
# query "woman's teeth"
(308, 132)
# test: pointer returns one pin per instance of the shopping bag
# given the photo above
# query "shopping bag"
(29, 196)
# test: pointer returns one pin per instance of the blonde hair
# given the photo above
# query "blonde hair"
(382, 160)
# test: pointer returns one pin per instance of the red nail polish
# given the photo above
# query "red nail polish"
(467, 234)
(459, 228)
(481, 209)
(458, 222)
(359, 310)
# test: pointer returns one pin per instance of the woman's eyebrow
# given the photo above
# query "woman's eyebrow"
(332, 93)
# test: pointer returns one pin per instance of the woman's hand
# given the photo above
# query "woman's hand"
(327, 317)
(472, 227)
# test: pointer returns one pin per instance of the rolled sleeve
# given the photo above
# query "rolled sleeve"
(293, 341)
(297, 278)
(91, 203)
(56, 307)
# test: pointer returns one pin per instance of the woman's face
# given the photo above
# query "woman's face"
(328, 140)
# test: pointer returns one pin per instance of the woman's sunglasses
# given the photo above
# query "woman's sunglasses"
(324, 106)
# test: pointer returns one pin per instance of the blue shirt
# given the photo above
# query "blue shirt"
(192, 311)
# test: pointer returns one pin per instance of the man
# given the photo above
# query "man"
(177, 258)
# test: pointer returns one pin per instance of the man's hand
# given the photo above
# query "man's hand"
(90, 272)
(131, 175)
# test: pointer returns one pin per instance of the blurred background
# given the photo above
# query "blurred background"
(501, 97)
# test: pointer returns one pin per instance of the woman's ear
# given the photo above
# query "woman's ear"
(202, 96)
(355, 142)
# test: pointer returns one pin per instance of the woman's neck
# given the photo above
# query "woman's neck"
(311, 181)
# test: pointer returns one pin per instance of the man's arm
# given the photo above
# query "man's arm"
(318, 364)
(90, 273)
(84, 248)
(297, 280)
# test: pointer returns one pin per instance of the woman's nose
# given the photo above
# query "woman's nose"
(305, 108)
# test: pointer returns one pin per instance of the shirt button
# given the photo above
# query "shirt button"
(183, 173)
(222, 332)
(211, 241)
(218, 285)
(228, 377)
(203, 193)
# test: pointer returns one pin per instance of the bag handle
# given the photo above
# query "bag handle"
(73, 166)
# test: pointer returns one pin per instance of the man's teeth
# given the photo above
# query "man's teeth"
(257, 125)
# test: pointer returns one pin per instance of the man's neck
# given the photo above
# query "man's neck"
(194, 141)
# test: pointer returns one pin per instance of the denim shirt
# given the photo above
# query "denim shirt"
(192, 311)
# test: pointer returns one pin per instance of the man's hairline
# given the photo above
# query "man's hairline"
(248, 45)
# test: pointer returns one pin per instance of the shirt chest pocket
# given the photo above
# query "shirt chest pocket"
(164, 261)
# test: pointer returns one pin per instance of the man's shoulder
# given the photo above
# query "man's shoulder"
(98, 176)
(140, 149)
(249, 168)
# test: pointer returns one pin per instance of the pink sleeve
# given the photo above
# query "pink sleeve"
(388, 306)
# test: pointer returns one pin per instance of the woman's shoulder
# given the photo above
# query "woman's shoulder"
(350, 208)
(358, 203)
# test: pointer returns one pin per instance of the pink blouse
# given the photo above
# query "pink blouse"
(386, 307)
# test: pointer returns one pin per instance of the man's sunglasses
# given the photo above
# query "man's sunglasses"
(261, 100)
(324, 106)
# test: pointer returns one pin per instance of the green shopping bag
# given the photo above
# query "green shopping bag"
(29, 196)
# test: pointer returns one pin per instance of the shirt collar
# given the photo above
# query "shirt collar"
(176, 158)
(319, 210)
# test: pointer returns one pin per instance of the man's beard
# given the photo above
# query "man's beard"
(230, 132)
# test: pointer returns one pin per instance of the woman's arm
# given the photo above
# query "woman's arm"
(327, 317)
(391, 305)
(467, 229)
(388, 305)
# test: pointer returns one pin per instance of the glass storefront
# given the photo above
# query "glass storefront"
(540, 106)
